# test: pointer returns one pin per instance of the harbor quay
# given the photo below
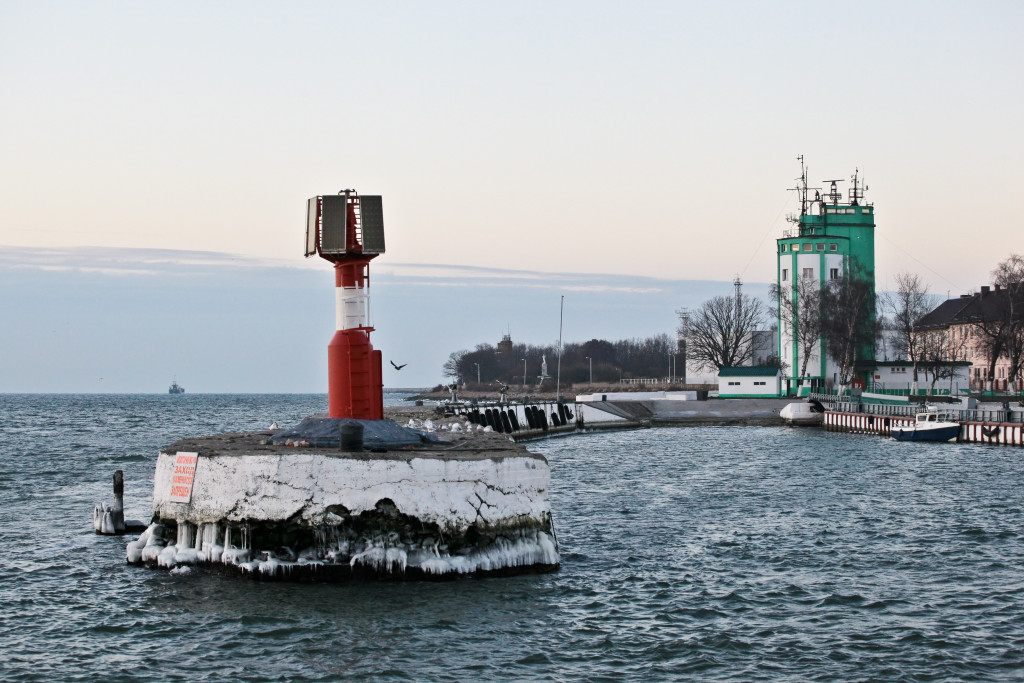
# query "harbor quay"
(991, 423)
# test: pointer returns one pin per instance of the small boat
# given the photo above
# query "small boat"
(929, 426)
(803, 413)
(176, 388)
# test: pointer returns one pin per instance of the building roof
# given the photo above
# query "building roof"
(750, 371)
(945, 313)
(969, 308)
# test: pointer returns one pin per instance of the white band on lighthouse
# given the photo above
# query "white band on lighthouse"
(351, 307)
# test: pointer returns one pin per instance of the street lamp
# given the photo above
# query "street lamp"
(591, 369)
(524, 373)
(477, 372)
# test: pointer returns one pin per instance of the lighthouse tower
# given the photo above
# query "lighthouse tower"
(348, 230)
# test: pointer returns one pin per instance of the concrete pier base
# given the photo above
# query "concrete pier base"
(239, 502)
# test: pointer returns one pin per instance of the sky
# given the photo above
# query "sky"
(97, 320)
(563, 139)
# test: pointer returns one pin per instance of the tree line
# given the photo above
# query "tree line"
(844, 312)
(606, 361)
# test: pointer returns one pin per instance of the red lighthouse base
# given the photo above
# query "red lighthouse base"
(355, 387)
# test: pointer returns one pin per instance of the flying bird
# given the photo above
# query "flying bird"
(398, 367)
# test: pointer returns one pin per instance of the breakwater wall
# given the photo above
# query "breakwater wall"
(541, 419)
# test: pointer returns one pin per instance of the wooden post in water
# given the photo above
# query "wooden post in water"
(118, 512)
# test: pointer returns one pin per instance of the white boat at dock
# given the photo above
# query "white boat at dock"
(803, 413)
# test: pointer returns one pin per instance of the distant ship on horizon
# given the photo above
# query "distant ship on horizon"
(176, 388)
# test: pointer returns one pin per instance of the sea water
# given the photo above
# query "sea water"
(727, 553)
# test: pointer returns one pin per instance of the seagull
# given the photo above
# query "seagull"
(398, 367)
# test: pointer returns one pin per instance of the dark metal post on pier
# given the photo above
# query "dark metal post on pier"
(118, 512)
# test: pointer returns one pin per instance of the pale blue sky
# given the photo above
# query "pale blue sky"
(129, 320)
(652, 139)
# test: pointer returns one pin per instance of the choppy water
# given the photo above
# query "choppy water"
(703, 553)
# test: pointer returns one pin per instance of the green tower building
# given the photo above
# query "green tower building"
(831, 238)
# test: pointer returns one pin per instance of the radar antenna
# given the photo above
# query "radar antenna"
(834, 195)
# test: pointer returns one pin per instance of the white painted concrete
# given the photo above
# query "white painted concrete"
(505, 490)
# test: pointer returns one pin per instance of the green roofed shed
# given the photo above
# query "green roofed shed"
(749, 381)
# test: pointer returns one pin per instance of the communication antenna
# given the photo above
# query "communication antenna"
(738, 284)
(856, 192)
(682, 334)
(801, 192)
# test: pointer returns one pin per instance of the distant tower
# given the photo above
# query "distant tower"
(830, 237)
(738, 286)
(682, 334)
(348, 230)
(505, 345)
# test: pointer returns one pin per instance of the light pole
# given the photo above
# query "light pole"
(558, 373)
(477, 372)
(524, 374)
(591, 369)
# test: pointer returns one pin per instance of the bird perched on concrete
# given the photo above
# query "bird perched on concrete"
(398, 367)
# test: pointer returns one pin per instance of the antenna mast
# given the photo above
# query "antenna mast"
(856, 192)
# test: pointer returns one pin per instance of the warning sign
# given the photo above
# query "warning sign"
(184, 475)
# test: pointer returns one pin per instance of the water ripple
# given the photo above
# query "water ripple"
(733, 554)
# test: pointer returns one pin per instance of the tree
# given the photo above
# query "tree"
(998, 319)
(907, 306)
(938, 351)
(800, 312)
(1009, 278)
(451, 368)
(719, 332)
(848, 321)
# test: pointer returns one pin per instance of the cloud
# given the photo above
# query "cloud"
(172, 262)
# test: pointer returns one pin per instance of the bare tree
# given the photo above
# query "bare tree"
(1009, 277)
(938, 353)
(800, 312)
(998, 319)
(907, 306)
(848, 321)
(719, 332)
(451, 367)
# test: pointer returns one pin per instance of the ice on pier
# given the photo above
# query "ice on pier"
(103, 519)
(384, 554)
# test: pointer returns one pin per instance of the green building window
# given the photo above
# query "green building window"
(807, 246)
(833, 247)
(819, 247)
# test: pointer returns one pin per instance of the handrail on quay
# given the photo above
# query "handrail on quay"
(909, 410)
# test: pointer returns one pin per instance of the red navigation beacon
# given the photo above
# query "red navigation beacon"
(348, 230)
